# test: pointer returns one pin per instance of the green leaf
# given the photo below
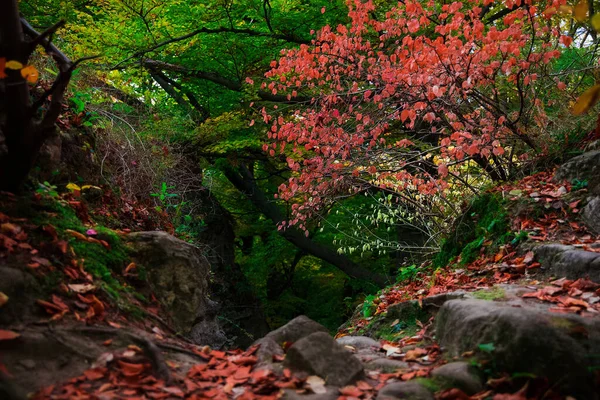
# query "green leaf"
(487, 347)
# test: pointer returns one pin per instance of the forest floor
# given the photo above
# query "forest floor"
(123, 357)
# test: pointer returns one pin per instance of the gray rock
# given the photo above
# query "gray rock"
(583, 167)
(526, 338)
(295, 330)
(28, 363)
(460, 375)
(331, 394)
(268, 348)
(359, 342)
(22, 290)
(387, 365)
(591, 214)
(178, 276)
(318, 354)
(410, 390)
(568, 261)
(435, 302)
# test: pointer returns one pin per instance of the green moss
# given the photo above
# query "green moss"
(97, 260)
(563, 323)
(494, 293)
(485, 219)
(399, 321)
(431, 384)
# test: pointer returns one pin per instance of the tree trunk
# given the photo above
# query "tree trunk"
(22, 129)
(244, 182)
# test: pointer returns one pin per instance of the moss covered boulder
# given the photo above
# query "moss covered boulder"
(178, 274)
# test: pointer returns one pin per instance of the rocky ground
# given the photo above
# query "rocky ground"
(521, 323)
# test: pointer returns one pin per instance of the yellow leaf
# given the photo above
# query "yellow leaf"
(84, 187)
(12, 64)
(596, 22)
(565, 9)
(586, 100)
(72, 186)
(580, 11)
(30, 74)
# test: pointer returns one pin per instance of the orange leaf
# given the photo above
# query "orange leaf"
(30, 73)
(580, 11)
(351, 391)
(412, 355)
(3, 299)
(130, 267)
(77, 235)
(93, 374)
(8, 335)
(129, 369)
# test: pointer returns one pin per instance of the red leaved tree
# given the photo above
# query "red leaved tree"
(401, 99)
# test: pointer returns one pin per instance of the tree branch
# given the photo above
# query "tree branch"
(223, 29)
(230, 84)
(244, 182)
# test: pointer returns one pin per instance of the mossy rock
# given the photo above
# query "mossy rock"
(486, 218)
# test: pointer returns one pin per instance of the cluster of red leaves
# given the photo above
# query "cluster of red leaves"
(132, 214)
(559, 221)
(581, 296)
(14, 240)
(224, 375)
(394, 69)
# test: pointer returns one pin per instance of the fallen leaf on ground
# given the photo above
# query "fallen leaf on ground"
(414, 354)
(316, 384)
(81, 287)
(8, 335)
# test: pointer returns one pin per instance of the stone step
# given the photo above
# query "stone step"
(525, 337)
(561, 260)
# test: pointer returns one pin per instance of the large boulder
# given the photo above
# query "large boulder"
(178, 273)
(568, 261)
(359, 342)
(526, 337)
(318, 354)
(295, 330)
(410, 390)
(585, 167)
(461, 375)
(272, 344)
(591, 214)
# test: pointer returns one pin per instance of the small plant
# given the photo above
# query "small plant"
(520, 237)
(163, 196)
(407, 274)
(487, 347)
(369, 306)
(579, 184)
(47, 189)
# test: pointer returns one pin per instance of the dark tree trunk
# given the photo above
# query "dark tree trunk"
(244, 182)
(22, 129)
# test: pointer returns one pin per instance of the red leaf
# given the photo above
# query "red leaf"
(8, 335)
(94, 374)
(129, 369)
